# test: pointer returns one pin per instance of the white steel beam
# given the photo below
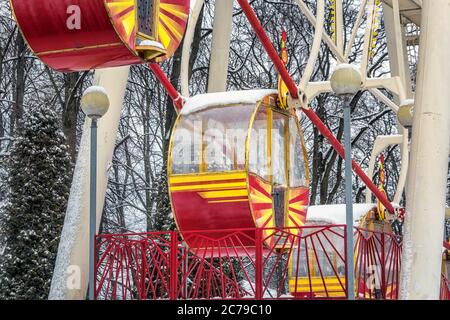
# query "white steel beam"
(187, 44)
(220, 48)
(427, 181)
(70, 277)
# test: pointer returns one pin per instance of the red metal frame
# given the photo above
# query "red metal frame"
(173, 93)
(377, 264)
(293, 90)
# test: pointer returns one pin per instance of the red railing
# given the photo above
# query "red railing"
(304, 263)
(377, 265)
(310, 262)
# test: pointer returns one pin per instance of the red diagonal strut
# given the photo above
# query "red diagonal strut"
(173, 93)
(273, 54)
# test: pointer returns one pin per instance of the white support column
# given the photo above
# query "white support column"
(220, 50)
(70, 277)
(339, 11)
(421, 265)
(398, 60)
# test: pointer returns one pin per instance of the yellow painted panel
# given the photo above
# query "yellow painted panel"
(316, 281)
(207, 177)
(227, 201)
(224, 194)
(215, 186)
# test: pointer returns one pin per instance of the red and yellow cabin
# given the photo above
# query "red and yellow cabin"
(318, 270)
(237, 160)
(76, 35)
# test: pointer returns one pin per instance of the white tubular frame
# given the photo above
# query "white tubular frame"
(355, 29)
(186, 53)
(220, 47)
(381, 143)
(367, 38)
(315, 46)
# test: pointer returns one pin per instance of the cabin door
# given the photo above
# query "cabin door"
(279, 132)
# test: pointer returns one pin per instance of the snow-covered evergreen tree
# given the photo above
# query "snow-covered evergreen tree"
(39, 176)
(163, 218)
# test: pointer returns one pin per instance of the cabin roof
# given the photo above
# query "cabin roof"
(222, 99)
(335, 214)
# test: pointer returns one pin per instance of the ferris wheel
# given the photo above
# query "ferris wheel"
(98, 34)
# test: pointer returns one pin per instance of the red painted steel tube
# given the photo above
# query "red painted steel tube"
(173, 265)
(259, 264)
(267, 44)
(273, 54)
(340, 150)
(173, 93)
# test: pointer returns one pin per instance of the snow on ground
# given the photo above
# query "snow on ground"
(335, 214)
(204, 101)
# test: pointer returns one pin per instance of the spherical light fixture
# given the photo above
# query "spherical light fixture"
(95, 102)
(405, 113)
(346, 80)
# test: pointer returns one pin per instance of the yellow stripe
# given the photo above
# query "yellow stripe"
(259, 197)
(314, 281)
(329, 287)
(298, 206)
(207, 177)
(107, 45)
(216, 186)
(176, 10)
(223, 194)
(226, 201)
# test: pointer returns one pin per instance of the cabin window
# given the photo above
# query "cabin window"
(279, 135)
(212, 140)
(259, 147)
(187, 139)
(297, 176)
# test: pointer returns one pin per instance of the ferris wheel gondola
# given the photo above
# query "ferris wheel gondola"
(237, 161)
(92, 34)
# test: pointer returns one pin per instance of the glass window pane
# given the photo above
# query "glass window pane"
(225, 135)
(186, 142)
(212, 140)
(279, 149)
(297, 177)
(258, 162)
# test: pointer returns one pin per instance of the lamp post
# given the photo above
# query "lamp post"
(95, 104)
(346, 82)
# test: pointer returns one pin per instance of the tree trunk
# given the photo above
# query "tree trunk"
(20, 83)
(70, 112)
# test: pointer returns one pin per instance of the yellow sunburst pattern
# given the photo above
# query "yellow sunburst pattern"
(262, 209)
(123, 15)
(173, 17)
(298, 207)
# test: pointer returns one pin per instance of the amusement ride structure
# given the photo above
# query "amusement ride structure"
(244, 228)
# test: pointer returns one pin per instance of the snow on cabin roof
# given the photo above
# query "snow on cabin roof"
(220, 99)
(335, 214)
